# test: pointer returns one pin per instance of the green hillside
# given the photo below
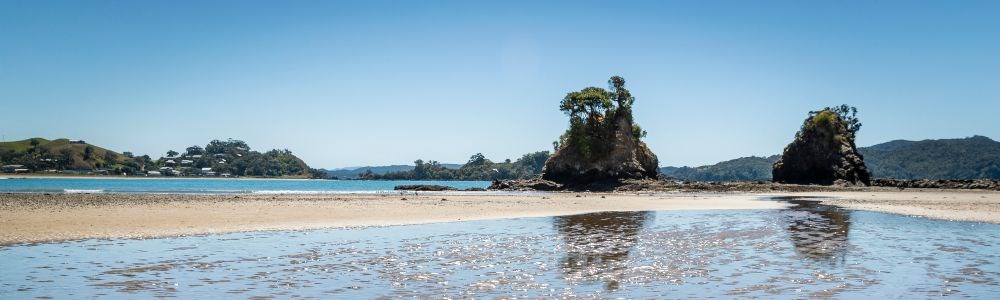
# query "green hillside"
(40, 154)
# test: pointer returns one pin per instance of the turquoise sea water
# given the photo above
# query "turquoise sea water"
(183, 185)
(807, 251)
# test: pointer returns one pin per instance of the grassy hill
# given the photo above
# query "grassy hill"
(966, 158)
(42, 154)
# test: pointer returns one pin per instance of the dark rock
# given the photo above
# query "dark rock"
(823, 152)
(534, 184)
(474, 189)
(627, 158)
(424, 187)
(601, 148)
(602, 144)
(978, 184)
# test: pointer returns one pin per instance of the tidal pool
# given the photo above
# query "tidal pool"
(806, 251)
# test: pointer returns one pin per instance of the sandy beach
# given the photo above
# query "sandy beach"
(26, 218)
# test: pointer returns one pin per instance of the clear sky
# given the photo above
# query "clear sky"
(386, 82)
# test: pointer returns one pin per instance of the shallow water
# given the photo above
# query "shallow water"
(212, 186)
(805, 251)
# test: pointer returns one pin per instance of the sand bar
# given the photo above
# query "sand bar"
(53, 217)
(958, 205)
(38, 217)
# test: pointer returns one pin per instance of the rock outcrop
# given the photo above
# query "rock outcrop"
(534, 184)
(603, 143)
(423, 188)
(601, 149)
(823, 152)
(626, 158)
(976, 184)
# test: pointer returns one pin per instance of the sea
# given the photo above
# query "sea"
(212, 186)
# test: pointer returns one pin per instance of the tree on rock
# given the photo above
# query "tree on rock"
(823, 151)
(602, 142)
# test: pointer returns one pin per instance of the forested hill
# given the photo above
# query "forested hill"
(966, 158)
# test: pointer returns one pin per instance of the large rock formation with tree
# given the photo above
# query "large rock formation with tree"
(823, 151)
(603, 143)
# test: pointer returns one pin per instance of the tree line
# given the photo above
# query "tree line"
(477, 168)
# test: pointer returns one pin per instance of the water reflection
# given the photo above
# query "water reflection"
(817, 231)
(597, 245)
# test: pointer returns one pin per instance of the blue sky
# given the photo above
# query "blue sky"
(386, 82)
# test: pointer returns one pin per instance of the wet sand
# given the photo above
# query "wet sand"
(40, 217)
(959, 205)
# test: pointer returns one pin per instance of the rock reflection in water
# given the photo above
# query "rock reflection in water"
(817, 231)
(597, 245)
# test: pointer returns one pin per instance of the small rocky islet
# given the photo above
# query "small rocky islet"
(601, 148)
(824, 152)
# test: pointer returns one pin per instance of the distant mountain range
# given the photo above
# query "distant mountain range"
(352, 172)
(967, 158)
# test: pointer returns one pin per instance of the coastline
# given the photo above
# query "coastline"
(33, 217)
